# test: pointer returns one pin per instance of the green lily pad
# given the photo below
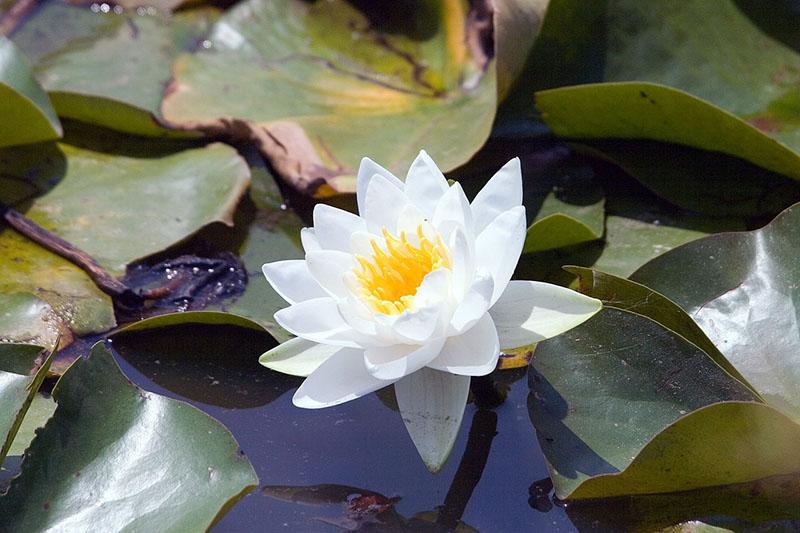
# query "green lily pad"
(740, 288)
(26, 319)
(165, 193)
(623, 405)
(28, 115)
(106, 439)
(109, 68)
(395, 80)
(640, 110)
(631, 296)
(18, 386)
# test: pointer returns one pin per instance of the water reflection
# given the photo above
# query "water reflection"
(222, 367)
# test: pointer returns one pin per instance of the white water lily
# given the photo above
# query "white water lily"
(420, 279)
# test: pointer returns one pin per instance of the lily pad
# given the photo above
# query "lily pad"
(105, 439)
(41, 409)
(623, 405)
(174, 192)
(640, 110)
(19, 382)
(109, 66)
(28, 115)
(300, 73)
(740, 288)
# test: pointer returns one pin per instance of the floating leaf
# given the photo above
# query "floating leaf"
(28, 116)
(27, 319)
(623, 405)
(91, 466)
(741, 288)
(639, 110)
(41, 409)
(301, 73)
(165, 193)
(109, 68)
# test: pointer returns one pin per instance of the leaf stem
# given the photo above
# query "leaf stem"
(49, 240)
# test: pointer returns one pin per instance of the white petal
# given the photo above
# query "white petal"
(308, 238)
(419, 325)
(498, 247)
(298, 357)
(501, 193)
(394, 362)
(383, 204)
(329, 268)
(341, 378)
(453, 211)
(532, 311)
(361, 243)
(432, 406)
(473, 353)
(292, 280)
(318, 320)
(411, 217)
(333, 227)
(474, 305)
(425, 183)
(366, 171)
(462, 261)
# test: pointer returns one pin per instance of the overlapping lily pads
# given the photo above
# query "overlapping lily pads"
(109, 66)
(739, 288)
(393, 80)
(92, 465)
(93, 191)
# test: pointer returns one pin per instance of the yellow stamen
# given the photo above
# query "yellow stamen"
(389, 279)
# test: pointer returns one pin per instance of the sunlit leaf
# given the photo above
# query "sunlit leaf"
(92, 465)
(28, 115)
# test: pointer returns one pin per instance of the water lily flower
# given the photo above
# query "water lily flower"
(420, 279)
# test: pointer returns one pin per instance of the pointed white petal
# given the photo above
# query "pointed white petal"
(339, 379)
(366, 171)
(394, 362)
(383, 204)
(298, 357)
(501, 193)
(425, 183)
(462, 262)
(498, 247)
(333, 227)
(432, 406)
(318, 320)
(308, 238)
(409, 220)
(292, 280)
(474, 304)
(361, 243)
(473, 353)
(532, 311)
(329, 268)
(453, 211)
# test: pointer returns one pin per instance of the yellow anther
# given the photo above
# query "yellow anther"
(390, 278)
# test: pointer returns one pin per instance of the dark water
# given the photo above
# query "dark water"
(355, 465)
(362, 444)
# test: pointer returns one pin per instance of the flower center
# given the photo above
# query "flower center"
(389, 279)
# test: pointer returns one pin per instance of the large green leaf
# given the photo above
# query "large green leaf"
(93, 464)
(639, 110)
(631, 296)
(623, 405)
(109, 68)
(28, 116)
(394, 79)
(741, 289)
(119, 199)
(20, 380)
